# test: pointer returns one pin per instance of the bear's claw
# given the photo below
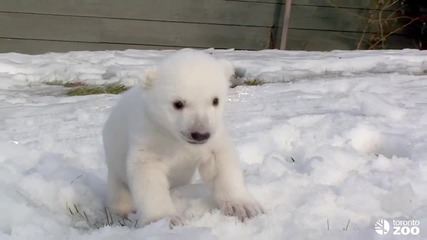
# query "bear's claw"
(242, 211)
(175, 221)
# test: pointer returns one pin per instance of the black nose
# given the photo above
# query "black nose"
(200, 136)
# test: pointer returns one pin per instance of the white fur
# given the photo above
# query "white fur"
(146, 140)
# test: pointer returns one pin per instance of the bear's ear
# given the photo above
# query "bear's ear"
(227, 67)
(150, 75)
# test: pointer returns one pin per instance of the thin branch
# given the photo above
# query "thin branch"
(380, 16)
(393, 32)
(346, 227)
(383, 20)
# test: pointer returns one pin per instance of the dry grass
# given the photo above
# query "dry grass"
(108, 219)
(81, 88)
(254, 82)
(95, 89)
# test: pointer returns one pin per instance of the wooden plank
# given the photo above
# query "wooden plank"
(334, 19)
(364, 4)
(356, 4)
(331, 19)
(29, 46)
(298, 41)
(315, 40)
(359, 4)
(193, 11)
(65, 28)
(311, 17)
(399, 42)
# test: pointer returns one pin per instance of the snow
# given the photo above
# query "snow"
(333, 142)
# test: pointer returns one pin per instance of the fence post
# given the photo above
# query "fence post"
(285, 25)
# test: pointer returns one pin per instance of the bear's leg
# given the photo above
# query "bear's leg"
(223, 175)
(149, 185)
(119, 197)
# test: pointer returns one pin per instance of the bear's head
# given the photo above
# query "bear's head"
(185, 94)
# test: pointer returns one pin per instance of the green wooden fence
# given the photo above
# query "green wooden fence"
(38, 26)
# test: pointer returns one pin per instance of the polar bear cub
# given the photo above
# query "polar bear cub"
(165, 128)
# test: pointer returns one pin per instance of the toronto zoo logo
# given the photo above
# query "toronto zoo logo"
(398, 227)
(382, 227)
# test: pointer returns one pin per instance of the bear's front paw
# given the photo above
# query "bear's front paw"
(242, 210)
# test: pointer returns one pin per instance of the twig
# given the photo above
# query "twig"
(379, 18)
(346, 227)
(393, 32)
(380, 23)
(76, 178)
(359, 44)
(109, 220)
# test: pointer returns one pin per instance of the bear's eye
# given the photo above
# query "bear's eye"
(215, 101)
(178, 105)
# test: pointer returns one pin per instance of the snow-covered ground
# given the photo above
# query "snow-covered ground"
(330, 144)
